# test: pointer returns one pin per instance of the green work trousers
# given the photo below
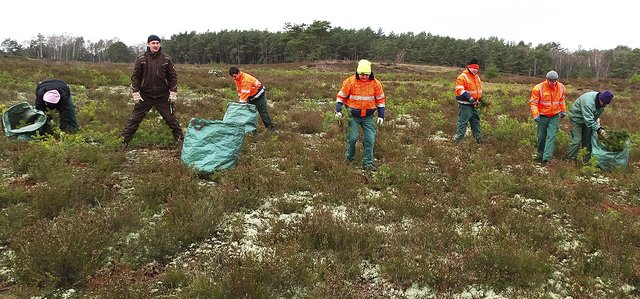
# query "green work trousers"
(547, 131)
(368, 138)
(580, 137)
(468, 114)
(261, 106)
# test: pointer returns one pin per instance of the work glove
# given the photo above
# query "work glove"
(380, 121)
(603, 133)
(473, 101)
(537, 118)
(338, 115)
(563, 114)
(173, 96)
(136, 97)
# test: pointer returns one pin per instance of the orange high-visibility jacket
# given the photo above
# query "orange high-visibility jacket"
(470, 83)
(364, 97)
(248, 87)
(546, 100)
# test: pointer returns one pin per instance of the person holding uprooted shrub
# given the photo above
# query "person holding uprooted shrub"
(547, 105)
(584, 115)
(54, 94)
(252, 91)
(363, 96)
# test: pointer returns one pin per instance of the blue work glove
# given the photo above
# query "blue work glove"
(381, 112)
(537, 118)
(562, 114)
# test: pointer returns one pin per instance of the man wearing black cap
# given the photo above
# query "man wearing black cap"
(583, 115)
(154, 83)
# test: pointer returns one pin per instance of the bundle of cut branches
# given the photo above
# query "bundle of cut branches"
(615, 141)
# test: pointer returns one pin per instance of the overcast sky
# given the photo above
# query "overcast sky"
(574, 24)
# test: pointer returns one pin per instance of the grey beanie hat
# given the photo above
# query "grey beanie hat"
(552, 75)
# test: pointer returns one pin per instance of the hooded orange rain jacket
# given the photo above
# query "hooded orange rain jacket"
(546, 100)
(248, 87)
(362, 97)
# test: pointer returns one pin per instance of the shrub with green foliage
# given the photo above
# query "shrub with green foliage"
(492, 71)
(635, 78)
(616, 140)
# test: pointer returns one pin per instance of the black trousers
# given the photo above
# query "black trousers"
(140, 110)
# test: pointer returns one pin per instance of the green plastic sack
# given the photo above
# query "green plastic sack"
(245, 114)
(22, 121)
(212, 145)
(608, 159)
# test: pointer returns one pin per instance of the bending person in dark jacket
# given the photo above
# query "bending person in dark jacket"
(154, 83)
(55, 94)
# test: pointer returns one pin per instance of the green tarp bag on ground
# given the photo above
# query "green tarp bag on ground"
(22, 121)
(242, 113)
(212, 145)
(608, 159)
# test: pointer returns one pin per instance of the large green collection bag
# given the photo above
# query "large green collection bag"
(608, 159)
(22, 121)
(211, 145)
(242, 113)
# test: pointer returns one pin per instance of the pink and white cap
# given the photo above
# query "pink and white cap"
(51, 96)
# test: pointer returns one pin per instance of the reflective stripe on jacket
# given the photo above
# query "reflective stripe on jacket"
(362, 97)
(248, 87)
(470, 83)
(546, 100)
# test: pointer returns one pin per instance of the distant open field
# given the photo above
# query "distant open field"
(80, 218)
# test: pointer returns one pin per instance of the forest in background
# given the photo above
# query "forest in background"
(321, 41)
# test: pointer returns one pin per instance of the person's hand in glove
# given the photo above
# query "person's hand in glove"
(603, 133)
(380, 121)
(338, 115)
(537, 118)
(173, 96)
(562, 114)
(136, 97)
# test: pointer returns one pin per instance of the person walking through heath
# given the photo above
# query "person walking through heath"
(363, 96)
(468, 94)
(154, 83)
(584, 115)
(54, 94)
(252, 91)
(547, 105)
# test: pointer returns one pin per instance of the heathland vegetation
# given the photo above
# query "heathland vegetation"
(81, 218)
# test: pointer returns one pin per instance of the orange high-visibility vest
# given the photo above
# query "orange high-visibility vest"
(248, 87)
(546, 100)
(361, 95)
